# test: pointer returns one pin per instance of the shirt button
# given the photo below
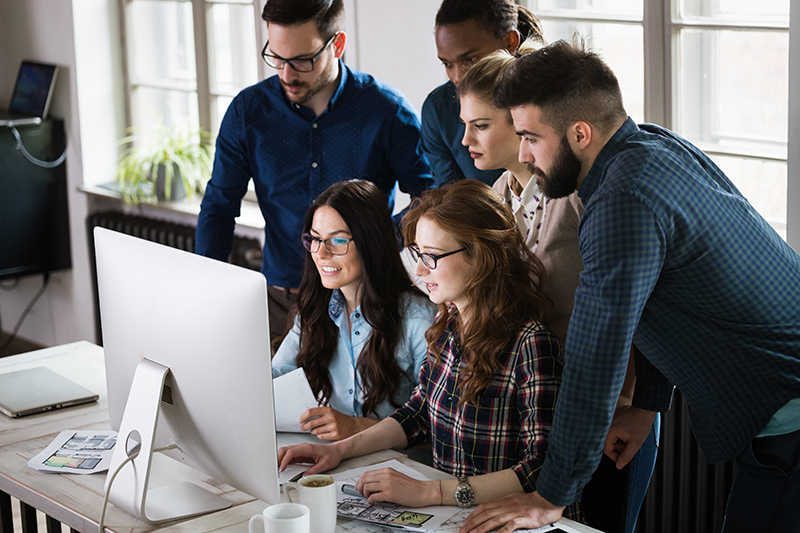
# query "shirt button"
(358, 315)
(314, 125)
(314, 164)
(357, 332)
(351, 391)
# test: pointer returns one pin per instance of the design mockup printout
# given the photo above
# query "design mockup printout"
(77, 452)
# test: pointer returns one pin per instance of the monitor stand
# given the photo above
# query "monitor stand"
(128, 490)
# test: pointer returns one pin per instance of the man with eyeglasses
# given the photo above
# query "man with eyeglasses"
(314, 123)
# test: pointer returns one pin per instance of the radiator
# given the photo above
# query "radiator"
(686, 494)
(246, 252)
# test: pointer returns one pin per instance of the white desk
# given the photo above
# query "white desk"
(76, 500)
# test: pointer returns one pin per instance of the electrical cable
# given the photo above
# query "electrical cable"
(114, 475)
(27, 310)
(33, 159)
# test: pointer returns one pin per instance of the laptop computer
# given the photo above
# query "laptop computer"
(33, 90)
(36, 390)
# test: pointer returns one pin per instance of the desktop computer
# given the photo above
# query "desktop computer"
(188, 367)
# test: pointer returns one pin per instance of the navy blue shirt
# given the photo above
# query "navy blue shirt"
(678, 262)
(442, 131)
(368, 131)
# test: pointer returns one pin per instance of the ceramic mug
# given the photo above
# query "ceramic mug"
(318, 493)
(283, 518)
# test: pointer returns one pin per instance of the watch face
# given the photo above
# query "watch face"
(464, 495)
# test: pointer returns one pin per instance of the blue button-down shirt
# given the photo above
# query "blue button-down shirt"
(368, 131)
(442, 132)
(677, 261)
(417, 315)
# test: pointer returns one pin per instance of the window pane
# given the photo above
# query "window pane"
(622, 7)
(161, 43)
(735, 8)
(231, 48)
(152, 107)
(734, 90)
(222, 103)
(764, 185)
(620, 45)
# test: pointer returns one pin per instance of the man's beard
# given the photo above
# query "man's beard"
(311, 89)
(562, 180)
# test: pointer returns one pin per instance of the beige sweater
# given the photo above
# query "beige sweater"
(555, 243)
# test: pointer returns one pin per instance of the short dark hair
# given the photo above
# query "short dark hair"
(568, 82)
(498, 16)
(328, 14)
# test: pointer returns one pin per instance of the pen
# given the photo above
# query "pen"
(351, 490)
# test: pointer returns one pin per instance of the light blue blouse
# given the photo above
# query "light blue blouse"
(417, 314)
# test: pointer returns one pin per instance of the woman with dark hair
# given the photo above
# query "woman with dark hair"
(466, 32)
(488, 387)
(359, 330)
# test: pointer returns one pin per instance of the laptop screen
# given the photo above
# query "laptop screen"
(32, 91)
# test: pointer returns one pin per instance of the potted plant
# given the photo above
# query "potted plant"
(167, 165)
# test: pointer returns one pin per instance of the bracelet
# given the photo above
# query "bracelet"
(441, 495)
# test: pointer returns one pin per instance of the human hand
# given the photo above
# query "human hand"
(324, 457)
(389, 485)
(629, 430)
(516, 511)
(326, 423)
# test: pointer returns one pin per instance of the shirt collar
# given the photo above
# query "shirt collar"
(338, 305)
(592, 180)
(531, 194)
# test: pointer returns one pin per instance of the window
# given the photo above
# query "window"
(714, 71)
(187, 59)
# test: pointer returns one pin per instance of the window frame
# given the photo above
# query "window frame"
(662, 24)
(206, 97)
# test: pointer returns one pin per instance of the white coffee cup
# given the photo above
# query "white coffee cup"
(318, 493)
(283, 518)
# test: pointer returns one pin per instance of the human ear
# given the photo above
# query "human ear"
(581, 134)
(511, 41)
(339, 43)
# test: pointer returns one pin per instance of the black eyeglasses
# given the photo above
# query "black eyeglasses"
(429, 260)
(299, 64)
(335, 245)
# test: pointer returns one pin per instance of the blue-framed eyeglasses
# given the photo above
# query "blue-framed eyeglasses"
(299, 64)
(429, 260)
(335, 245)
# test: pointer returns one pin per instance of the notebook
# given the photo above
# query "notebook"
(36, 390)
(30, 100)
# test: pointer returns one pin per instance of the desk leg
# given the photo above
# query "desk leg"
(28, 515)
(6, 516)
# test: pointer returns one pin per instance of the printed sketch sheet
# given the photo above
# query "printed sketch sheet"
(389, 514)
(77, 452)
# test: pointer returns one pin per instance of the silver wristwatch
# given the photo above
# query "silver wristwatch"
(464, 494)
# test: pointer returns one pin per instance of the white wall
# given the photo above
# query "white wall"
(793, 209)
(52, 32)
(394, 42)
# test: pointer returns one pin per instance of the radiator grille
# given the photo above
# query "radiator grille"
(246, 252)
(686, 493)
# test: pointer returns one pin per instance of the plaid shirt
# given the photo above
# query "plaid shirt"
(677, 261)
(506, 425)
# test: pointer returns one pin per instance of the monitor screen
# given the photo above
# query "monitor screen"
(33, 89)
(206, 321)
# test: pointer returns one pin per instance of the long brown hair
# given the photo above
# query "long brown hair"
(504, 286)
(363, 207)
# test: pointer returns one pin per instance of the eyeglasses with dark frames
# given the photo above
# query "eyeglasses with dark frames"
(335, 245)
(429, 260)
(299, 64)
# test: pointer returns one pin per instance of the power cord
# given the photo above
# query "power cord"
(127, 460)
(33, 159)
(9, 340)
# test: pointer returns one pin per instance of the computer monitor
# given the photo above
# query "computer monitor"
(187, 354)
